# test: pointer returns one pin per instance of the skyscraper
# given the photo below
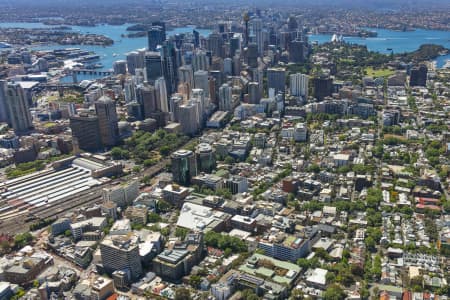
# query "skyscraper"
(206, 160)
(228, 66)
(189, 117)
(299, 85)
(215, 44)
(201, 81)
(184, 166)
(3, 108)
(134, 61)
(235, 45)
(161, 95)
(323, 87)
(252, 55)
(153, 66)
(17, 109)
(175, 102)
(418, 76)
(156, 36)
(258, 32)
(276, 79)
(120, 67)
(186, 75)
(198, 95)
(225, 98)
(86, 132)
(105, 108)
(200, 61)
(146, 97)
(297, 51)
(254, 93)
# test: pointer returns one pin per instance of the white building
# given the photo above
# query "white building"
(299, 85)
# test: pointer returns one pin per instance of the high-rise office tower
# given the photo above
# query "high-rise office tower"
(196, 38)
(135, 60)
(189, 117)
(184, 166)
(129, 90)
(139, 78)
(186, 75)
(162, 25)
(120, 67)
(246, 18)
(105, 109)
(225, 98)
(323, 87)
(201, 81)
(200, 61)
(161, 95)
(156, 36)
(153, 66)
(175, 102)
(299, 85)
(206, 160)
(276, 79)
(3, 108)
(254, 93)
(170, 67)
(252, 55)
(297, 51)
(17, 109)
(235, 45)
(228, 66)
(134, 110)
(418, 76)
(121, 253)
(86, 132)
(292, 23)
(199, 96)
(146, 97)
(215, 44)
(236, 65)
(257, 29)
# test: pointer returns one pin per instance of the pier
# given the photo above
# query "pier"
(92, 72)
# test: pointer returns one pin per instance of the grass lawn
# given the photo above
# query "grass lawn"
(378, 72)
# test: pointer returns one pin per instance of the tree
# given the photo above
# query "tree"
(154, 217)
(165, 231)
(181, 232)
(163, 206)
(297, 294)
(249, 295)
(182, 294)
(334, 292)
(195, 281)
(23, 239)
(68, 233)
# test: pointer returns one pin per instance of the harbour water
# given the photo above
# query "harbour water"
(385, 42)
(117, 51)
(398, 41)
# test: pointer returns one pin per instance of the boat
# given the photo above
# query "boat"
(114, 54)
(389, 49)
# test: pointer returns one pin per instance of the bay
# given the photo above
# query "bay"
(108, 55)
(398, 41)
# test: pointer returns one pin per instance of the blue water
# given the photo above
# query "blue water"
(398, 41)
(112, 53)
